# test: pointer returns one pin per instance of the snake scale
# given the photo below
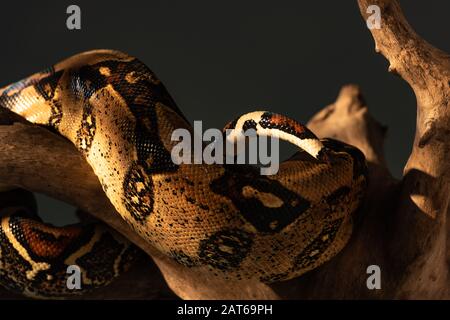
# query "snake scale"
(221, 218)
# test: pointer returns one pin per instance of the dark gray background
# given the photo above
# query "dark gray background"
(223, 58)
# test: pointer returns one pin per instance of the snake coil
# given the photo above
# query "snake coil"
(225, 219)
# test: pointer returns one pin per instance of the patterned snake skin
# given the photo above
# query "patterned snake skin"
(226, 219)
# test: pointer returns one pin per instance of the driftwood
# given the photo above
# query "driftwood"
(402, 227)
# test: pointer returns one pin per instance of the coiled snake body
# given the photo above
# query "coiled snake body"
(225, 219)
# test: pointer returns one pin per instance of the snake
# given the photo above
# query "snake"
(219, 218)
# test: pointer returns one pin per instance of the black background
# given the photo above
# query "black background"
(220, 59)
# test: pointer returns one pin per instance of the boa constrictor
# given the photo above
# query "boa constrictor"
(226, 219)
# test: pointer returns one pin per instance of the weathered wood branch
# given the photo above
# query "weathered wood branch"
(422, 205)
(402, 227)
